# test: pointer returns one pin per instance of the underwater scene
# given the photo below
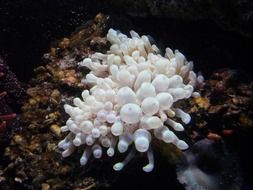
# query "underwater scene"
(126, 94)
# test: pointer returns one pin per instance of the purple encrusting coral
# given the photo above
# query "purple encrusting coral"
(10, 83)
(11, 93)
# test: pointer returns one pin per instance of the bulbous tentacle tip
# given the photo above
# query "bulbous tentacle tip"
(110, 152)
(67, 152)
(118, 166)
(182, 145)
(142, 140)
(83, 161)
(122, 146)
(148, 168)
(97, 151)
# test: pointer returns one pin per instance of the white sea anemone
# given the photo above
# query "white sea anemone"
(133, 90)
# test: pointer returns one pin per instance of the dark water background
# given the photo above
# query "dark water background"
(27, 28)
